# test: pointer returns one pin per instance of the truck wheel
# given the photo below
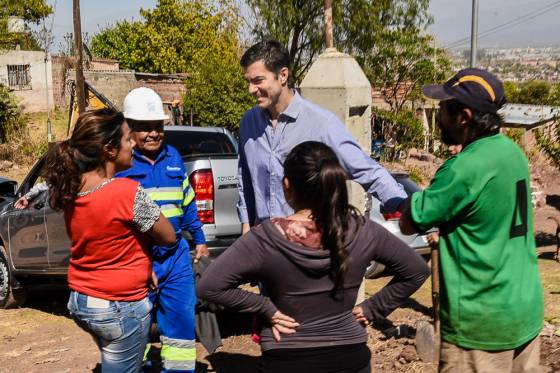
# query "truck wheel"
(9, 298)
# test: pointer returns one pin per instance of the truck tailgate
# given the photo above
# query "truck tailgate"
(224, 170)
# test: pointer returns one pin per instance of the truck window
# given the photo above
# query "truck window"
(195, 143)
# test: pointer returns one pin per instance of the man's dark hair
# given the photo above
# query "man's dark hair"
(485, 123)
(274, 55)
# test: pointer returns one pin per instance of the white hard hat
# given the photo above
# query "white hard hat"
(143, 104)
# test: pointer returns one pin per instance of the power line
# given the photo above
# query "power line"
(506, 25)
(509, 24)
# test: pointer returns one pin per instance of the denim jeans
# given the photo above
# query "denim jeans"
(120, 329)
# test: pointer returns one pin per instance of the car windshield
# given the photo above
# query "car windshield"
(194, 143)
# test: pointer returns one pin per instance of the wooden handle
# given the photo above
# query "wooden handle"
(435, 285)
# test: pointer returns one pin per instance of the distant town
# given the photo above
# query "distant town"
(515, 64)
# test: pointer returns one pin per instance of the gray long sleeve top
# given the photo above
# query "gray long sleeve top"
(298, 282)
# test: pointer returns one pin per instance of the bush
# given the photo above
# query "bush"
(401, 129)
(10, 115)
(516, 134)
(548, 141)
(15, 143)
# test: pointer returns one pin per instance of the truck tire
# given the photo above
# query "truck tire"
(9, 298)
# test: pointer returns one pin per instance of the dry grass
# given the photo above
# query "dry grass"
(31, 144)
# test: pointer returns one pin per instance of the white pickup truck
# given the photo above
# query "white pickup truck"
(210, 157)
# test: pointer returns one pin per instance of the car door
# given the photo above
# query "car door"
(59, 243)
(27, 235)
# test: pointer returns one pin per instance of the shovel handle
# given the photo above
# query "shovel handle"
(434, 253)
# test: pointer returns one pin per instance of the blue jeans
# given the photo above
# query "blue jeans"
(120, 329)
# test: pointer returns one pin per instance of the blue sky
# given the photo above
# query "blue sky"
(451, 20)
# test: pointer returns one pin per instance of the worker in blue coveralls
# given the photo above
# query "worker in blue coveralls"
(159, 169)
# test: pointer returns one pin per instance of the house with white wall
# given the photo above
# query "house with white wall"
(25, 73)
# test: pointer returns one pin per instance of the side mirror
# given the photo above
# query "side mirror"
(8, 188)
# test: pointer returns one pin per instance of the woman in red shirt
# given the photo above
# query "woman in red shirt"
(110, 223)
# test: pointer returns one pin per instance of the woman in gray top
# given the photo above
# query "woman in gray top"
(312, 264)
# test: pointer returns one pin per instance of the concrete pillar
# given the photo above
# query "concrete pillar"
(336, 82)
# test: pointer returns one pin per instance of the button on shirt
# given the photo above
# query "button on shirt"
(263, 149)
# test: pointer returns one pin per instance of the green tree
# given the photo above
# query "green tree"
(400, 62)
(554, 95)
(31, 11)
(511, 92)
(298, 24)
(402, 127)
(168, 39)
(196, 37)
(217, 93)
(386, 37)
(10, 115)
(389, 41)
(548, 139)
(534, 92)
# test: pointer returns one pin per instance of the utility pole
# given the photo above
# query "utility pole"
(80, 93)
(329, 24)
(474, 31)
(47, 36)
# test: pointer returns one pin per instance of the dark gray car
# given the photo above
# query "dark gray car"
(34, 245)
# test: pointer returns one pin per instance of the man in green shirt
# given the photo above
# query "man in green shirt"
(491, 294)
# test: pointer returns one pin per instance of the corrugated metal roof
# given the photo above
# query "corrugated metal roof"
(528, 116)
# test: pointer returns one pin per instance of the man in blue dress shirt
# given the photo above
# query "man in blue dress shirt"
(281, 120)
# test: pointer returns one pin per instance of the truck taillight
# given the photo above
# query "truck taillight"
(392, 215)
(202, 183)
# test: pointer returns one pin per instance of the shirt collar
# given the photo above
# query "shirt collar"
(162, 154)
(293, 109)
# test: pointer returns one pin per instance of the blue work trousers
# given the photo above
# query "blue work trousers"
(121, 329)
(174, 306)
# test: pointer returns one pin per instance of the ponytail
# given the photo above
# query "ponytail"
(62, 175)
(319, 184)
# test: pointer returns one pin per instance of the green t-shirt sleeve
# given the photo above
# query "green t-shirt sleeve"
(449, 194)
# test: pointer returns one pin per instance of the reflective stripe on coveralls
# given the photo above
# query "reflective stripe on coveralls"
(171, 210)
(178, 354)
(188, 191)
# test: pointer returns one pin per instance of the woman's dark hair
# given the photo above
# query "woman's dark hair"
(318, 182)
(84, 151)
(485, 123)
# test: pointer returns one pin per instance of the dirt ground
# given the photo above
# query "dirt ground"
(40, 337)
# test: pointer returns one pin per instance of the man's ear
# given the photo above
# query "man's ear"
(466, 116)
(284, 74)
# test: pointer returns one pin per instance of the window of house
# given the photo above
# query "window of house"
(19, 77)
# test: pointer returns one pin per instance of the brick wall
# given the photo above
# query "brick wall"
(116, 84)
(59, 75)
